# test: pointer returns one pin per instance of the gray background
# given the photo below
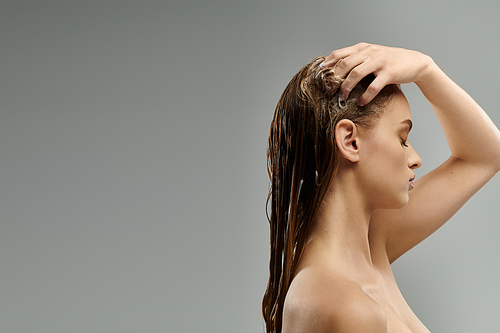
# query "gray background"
(132, 158)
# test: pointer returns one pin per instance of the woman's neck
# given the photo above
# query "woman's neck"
(340, 229)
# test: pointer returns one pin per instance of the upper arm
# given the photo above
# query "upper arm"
(361, 316)
(435, 199)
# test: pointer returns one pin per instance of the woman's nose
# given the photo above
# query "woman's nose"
(414, 160)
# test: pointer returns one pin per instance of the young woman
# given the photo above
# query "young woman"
(343, 204)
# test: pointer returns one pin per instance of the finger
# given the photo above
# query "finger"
(345, 66)
(373, 89)
(336, 55)
(362, 68)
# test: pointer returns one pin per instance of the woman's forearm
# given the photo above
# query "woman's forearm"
(470, 133)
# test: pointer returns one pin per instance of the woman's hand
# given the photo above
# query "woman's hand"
(390, 65)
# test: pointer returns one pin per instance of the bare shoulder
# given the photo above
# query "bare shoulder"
(320, 302)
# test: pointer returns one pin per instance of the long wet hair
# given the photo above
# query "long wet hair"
(302, 159)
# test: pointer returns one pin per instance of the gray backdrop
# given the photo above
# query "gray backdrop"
(132, 158)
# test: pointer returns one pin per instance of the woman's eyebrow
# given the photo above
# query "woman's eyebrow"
(409, 123)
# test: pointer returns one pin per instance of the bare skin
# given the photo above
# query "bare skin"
(372, 214)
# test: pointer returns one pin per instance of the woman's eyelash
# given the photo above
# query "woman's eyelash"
(404, 143)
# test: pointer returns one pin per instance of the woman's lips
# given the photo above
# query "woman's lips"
(411, 186)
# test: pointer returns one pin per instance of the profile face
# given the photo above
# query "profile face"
(387, 158)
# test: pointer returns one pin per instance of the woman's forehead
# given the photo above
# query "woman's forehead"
(398, 110)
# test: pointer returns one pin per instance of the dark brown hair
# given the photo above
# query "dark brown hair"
(302, 161)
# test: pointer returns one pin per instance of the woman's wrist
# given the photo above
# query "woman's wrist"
(428, 70)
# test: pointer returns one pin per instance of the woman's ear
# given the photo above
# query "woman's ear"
(346, 136)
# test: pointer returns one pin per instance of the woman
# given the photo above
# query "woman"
(343, 204)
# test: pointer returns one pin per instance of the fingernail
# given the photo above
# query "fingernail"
(360, 103)
(340, 101)
(322, 65)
